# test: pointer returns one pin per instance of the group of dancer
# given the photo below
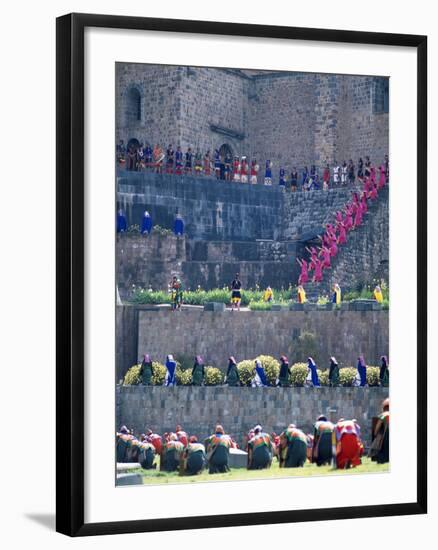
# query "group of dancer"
(335, 235)
(338, 444)
(259, 378)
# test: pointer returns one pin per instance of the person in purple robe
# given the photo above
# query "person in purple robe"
(361, 371)
(146, 224)
(122, 225)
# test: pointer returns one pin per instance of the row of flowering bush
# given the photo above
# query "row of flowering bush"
(246, 368)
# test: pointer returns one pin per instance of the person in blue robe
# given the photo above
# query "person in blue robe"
(362, 371)
(268, 173)
(170, 379)
(312, 376)
(122, 226)
(305, 177)
(282, 175)
(178, 226)
(259, 380)
(146, 224)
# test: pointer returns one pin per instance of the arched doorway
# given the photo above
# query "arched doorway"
(225, 149)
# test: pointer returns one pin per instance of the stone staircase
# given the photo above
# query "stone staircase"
(365, 255)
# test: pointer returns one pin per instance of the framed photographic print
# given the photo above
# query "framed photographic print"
(241, 274)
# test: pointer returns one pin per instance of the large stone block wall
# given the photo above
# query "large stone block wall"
(239, 409)
(217, 335)
(294, 119)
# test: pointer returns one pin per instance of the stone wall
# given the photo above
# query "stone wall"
(294, 119)
(217, 335)
(239, 409)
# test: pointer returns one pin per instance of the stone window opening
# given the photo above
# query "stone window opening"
(225, 149)
(133, 105)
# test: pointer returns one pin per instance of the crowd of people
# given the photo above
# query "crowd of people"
(260, 379)
(338, 444)
(240, 169)
(336, 233)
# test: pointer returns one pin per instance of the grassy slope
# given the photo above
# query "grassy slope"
(154, 477)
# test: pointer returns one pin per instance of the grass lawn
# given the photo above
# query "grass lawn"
(154, 477)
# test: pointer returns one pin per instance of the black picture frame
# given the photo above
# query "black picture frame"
(70, 272)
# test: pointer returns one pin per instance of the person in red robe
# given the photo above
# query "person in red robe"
(349, 448)
(342, 239)
(317, 277)
(304, 275)
(382, 176)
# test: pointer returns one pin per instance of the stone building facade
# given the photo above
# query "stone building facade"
(293, 119)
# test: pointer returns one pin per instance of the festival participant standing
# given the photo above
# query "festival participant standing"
(232, 378)
(312, 379)
(254, 171)
(177, 293)
(198, 162)
(260, 450)
(268, 295)
(386, 168)
(382, 176)
(361, 376)
(170, 378)
(236, 169)
(193, 459)
(146, 223)
(317, 277)
(305, 178)
(336, 296)
(140, 158)
(198, 372)
(377, 294)
(236, 293)
(132, 158)
(122, 225)
(325, 252)
(336, 173)
(322, 441)
(188, 161)
(228, 166)
(146, 371)
(178, 161)
(158, 156)
(304, 275)
(351, 176)
(326, 178)
(384, 372)
(360, 170)
(244, 170)
(217, 163)
(293, 179)
(282, 177)
(218, 451)
(268, 173)
(178, 226)
(293, 448)
(379, 450)
(333, 373)
(344, 172)
(342, 238)
(367, 170)
(285, 372)
(301, 294)
(207, 163)
(260, 380)
(170, 158)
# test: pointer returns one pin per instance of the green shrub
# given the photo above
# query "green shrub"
(213, 376)
(323, 376)
(183, 377)
(373, 376)
(246, 370)
(347, 375)
(132, 377)
(260, 306)
(161, 230)
(298, 374)
(271, 366)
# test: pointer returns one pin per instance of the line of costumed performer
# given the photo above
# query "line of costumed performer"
(218, 451)
(260, 450)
